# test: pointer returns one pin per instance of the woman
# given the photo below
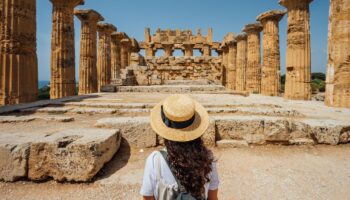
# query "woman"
(185, 166)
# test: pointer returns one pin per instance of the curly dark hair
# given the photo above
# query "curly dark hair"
(192, 164)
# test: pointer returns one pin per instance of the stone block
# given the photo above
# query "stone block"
(231, 143)
(72, 155)
(276, 130)
(136, 130)
(209, 137)
(108, 88)
(302, 141)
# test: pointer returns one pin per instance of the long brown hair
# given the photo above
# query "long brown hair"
(192, 163)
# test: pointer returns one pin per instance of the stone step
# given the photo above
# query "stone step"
(172, 88)
(231, 143)
(19, 119)
(69, 155)
(252, 129)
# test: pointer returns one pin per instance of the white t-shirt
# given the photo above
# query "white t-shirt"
(150, 185)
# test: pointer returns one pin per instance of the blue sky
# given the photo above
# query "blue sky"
(132, 16)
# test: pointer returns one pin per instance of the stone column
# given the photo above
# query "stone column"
(241, 62)
(168, 49)
(206, 50)
(124, 52)
(18, 58)
(338, 69)
(224, 65)
(298, 72)
(115, 57)
(231, 66)
(104, 54)
(149, 52)
(62, 48)
(253, 75)
(188, 49)
(271, 66)
(88, 50)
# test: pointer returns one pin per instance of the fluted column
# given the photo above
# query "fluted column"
(149, 51)
(124, 52)
(88, 50)
(253, 75)
(62, 48)
(338, 69)
(168, 49)
(18, 58)
(116, 56)
(188, 49)
(231, 65)
(271, 66)
(224, 65)
(104, 54)
(241, 62)
(298, 72)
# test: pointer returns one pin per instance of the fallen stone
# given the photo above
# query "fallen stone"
(231, 143)
(72, 155)
(14, 153)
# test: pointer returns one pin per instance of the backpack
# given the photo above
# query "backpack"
(183, 195)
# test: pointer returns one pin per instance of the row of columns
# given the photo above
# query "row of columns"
(253, 77)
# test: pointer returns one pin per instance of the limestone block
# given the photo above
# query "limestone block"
(72, 155)
(276, 130)
(136, 130)
(108, 88)
(231, 144)
(14, 152)
(209, 136)
(236, 127)
(302, 141)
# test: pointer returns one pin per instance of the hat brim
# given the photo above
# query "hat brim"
(194, 131)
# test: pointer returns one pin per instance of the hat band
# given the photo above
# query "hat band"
(176, 125)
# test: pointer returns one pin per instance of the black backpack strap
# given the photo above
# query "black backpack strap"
(165, 155)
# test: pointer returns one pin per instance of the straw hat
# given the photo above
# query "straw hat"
(179, 118)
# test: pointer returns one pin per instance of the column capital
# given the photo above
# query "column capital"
(68, 2)
(188, 45)
(241, 36)
(272, 15)
(88, 15)
(106, 28)
(294, 3)
(253, 28)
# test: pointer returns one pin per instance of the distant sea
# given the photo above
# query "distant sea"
(43, 83)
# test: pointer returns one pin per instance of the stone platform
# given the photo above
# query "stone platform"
(236, 121)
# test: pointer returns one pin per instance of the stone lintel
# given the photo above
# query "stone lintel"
(253, 28)
(271, 15)
(70, 2)
(241, 36)
(106, 28)
(88, 15)
(294, 3)
(119, 35)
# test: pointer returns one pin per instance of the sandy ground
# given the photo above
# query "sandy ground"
(266, 172)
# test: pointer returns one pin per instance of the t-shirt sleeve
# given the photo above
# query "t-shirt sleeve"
(148, 183)
(214, 179)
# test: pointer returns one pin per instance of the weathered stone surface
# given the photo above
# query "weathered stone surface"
(14, 152)
(231, 143)
(136, 130)
(338, 68)
(51, 110)
(270, 75)
(63, 49)
(209, 137)
(88, 50)
(18, 57)
(16, 119)
(302, 141)
(108, 88)
(172, 89)
(72, 155)
(93, 111)
(298, 66)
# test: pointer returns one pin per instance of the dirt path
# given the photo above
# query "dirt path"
(269, 172)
